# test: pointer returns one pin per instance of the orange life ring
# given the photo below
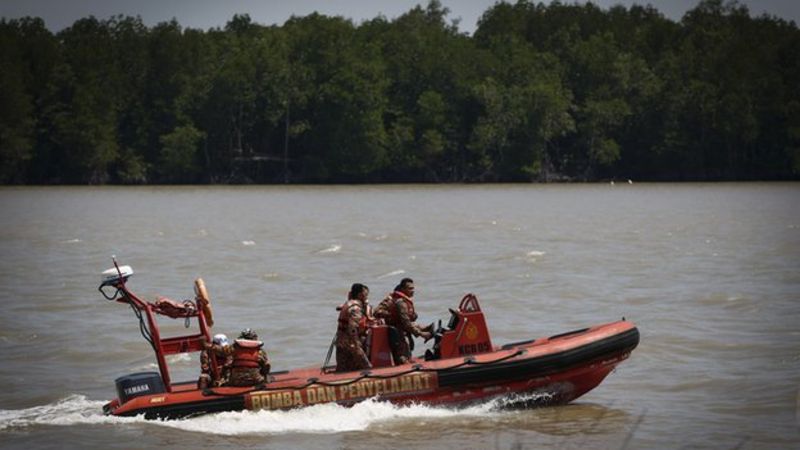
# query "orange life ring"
(203, 300)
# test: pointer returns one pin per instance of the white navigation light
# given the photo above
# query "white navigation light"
(112, 275)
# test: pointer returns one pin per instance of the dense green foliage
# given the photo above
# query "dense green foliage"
(539, 92)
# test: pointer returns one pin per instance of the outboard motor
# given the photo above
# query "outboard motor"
(466, 333)
(138, 384)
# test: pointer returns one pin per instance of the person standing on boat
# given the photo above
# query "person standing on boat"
(351, 334)
(250, 365)
(208, 377)
(397, 310)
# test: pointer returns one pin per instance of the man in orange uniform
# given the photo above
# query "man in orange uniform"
(351, 333)
(397, 310)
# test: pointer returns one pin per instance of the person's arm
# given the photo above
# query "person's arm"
(263, 361)
(382, 311)
(369, 313)
(355, 314)
(407, 325)
(205, 365)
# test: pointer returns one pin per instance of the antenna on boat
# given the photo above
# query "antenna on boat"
(119, 271)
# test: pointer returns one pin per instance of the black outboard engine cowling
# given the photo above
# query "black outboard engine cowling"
(138, 384)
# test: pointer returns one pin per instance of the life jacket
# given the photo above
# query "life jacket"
(394, 311)
(344, 316)
(245, 353)
(173, 309)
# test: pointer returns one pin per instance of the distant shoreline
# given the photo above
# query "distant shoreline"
(539, 93)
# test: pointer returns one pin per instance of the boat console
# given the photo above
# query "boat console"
(466, 334)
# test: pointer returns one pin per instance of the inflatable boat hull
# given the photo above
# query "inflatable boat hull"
(545, 371)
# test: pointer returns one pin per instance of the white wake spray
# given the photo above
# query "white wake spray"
(72, 410)
(325, 418)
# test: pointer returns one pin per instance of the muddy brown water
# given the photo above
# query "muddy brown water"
(709, 273)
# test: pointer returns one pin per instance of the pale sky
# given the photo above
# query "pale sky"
(204, 14)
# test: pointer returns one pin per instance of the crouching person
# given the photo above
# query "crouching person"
(250, 364)
(208, 376)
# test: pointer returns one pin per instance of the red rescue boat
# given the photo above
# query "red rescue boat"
(462, 367)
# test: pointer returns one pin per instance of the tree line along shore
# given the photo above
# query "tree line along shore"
(540, 92)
